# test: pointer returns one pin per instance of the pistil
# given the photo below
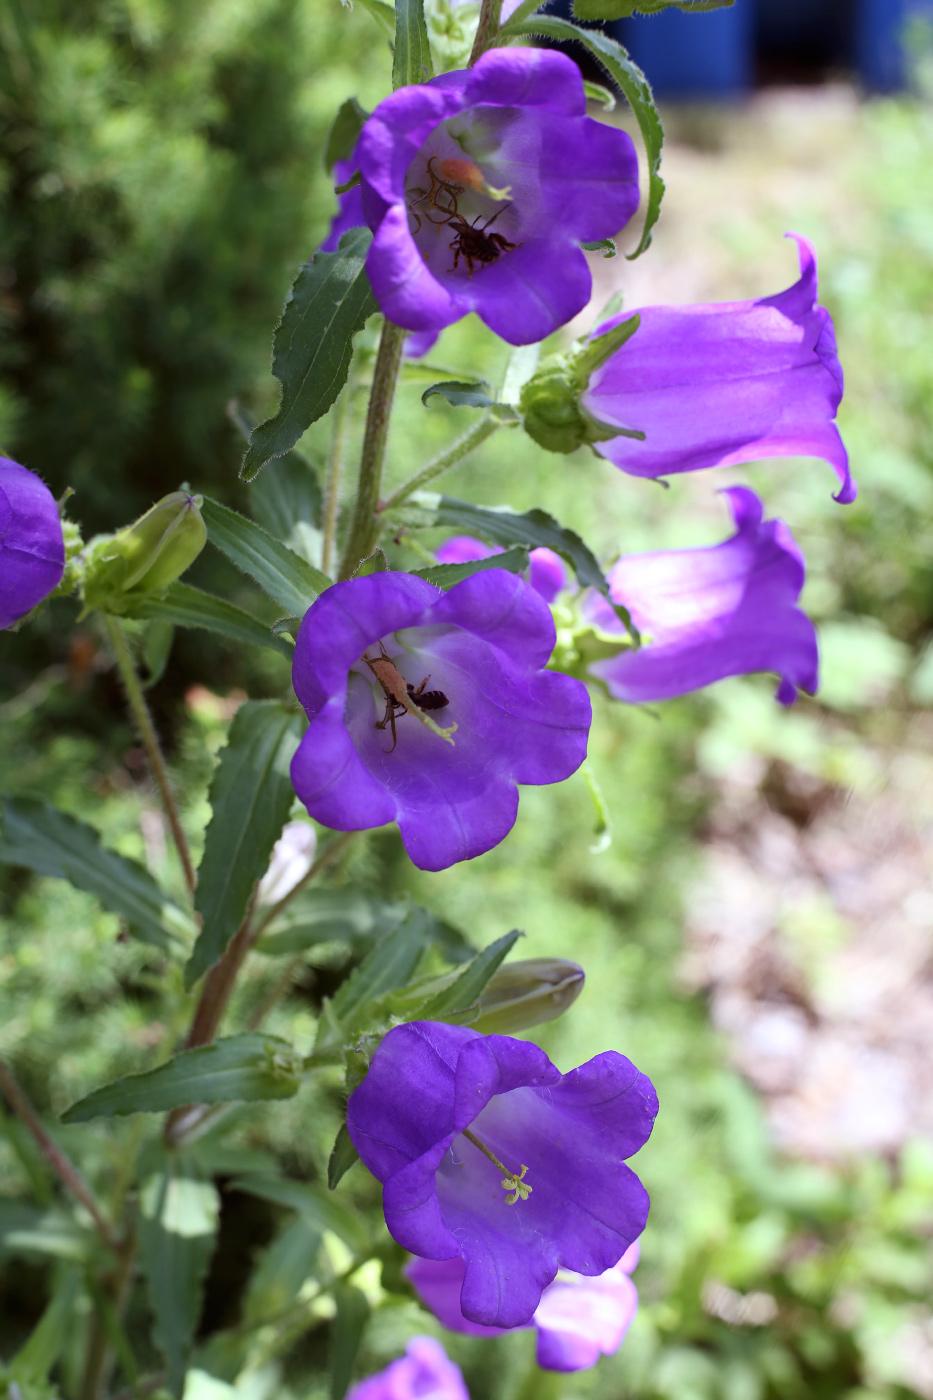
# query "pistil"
(511, 1181)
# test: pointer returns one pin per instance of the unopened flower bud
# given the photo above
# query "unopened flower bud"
(292, 858)
(143, 559)
(527, 993)
(551, 399)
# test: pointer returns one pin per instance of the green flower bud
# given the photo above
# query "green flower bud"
(527, 993)
(124, 569)
(550, 399)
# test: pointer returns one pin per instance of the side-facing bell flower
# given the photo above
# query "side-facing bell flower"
(480, 186)
(704, 614)
(427, 708)
(487, 1153)
(425, 1372)
(578, 1319)
(32, 547)
(711, 386)
(546, 572)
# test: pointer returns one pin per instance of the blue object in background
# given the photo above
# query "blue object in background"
(880, 53)
(704, 55)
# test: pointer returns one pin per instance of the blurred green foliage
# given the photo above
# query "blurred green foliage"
(162, 177)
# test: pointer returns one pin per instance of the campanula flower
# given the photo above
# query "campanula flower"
(725, 610)
(487, 1153)
(376, 656)
(32, 546)
(425, 1372)
(710, 386)
(577, 1320)
(479, 187)
(546, 572)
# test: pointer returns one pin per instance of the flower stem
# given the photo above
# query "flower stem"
(487, 28)
(334, 468)
(140, 711)
(218, 985)
(364, 530)
(57, 1160)
(443, 462)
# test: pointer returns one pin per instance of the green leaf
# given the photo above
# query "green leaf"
(250, 797)
(634, 85)
(344, 133)
(41, 1350)
(465, 992)
(319, 1208)
(242, 1068)
(446, 575)
(591, 354)
(192, 607)
(595, 92)
(283, 574)
(388, 965)
(606, 246)
(282, 1271)
(461, 393)
(533, 529)
(342, 1157)
(177, 1232)
(325, 916)
(623, 9)
(35, 834)
(329, 302)
(412, 60)
(383, 14)
(346, 1330)
(375, 563)
(157, 648)
(287, 502)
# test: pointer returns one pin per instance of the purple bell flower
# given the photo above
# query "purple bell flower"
(487, 1153)
(725, 610)
(472, 658)
(711, 386)
(546, 572)
(577, 1320)
(479, 187)
(425, 1372)
(32, 548)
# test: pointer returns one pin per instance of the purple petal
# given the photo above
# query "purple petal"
(580, 1319)
(349, 207)
(464, 549)
(32, 548)
(425, 1372)
(721, 611)
(715, 385)
(438, 1283)
(547, 574)
(586, 1207)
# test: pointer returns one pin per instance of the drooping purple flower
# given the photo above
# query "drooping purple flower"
(714, 385)
(479, 187)
(32, 548)
(472, 657)
(577, 1320)
(724, 610)
(563, 1136)
(425, 1372)
(546, 572)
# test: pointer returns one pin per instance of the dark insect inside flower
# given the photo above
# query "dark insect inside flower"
(475, 245)
(439, 186)
(397, 690)
(427, 699)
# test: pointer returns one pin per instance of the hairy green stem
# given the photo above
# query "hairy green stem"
(364, 530)
(487, 28)
(66, 1171)
(455, 453)
(150, 742)
(334, 468)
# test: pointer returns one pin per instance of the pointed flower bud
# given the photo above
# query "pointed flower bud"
(143, 559)
(527, 993)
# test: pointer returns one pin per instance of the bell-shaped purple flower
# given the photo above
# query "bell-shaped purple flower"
(490, 1155)
(711, 386)
(577, 1320)
(32, 548)
(425, 1372)
(479, 187)
(546, 572)
(724, 610)
(471, 660)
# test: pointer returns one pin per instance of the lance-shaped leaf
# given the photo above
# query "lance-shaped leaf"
(446, 575)
(532, 529)
(37, 835)
(358, 917)
(283, 574)
(317, 1207)
(343, 1155)
(412, 59)
(177, 1231)
(242, 1068)
(288, 502)
(464, 993)
(192, 607)
(388, 965)
(623, 9)
(461, 393)
(635, 87)
(250, 796)
(329, 302)
(346, 1331)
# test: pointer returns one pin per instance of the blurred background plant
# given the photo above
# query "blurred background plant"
(757, 935)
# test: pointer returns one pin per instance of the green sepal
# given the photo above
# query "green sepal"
(123, 570)
(550, 400)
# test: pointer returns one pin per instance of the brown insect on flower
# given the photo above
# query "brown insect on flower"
(475, 245)
(439, 186)
(397, 691)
